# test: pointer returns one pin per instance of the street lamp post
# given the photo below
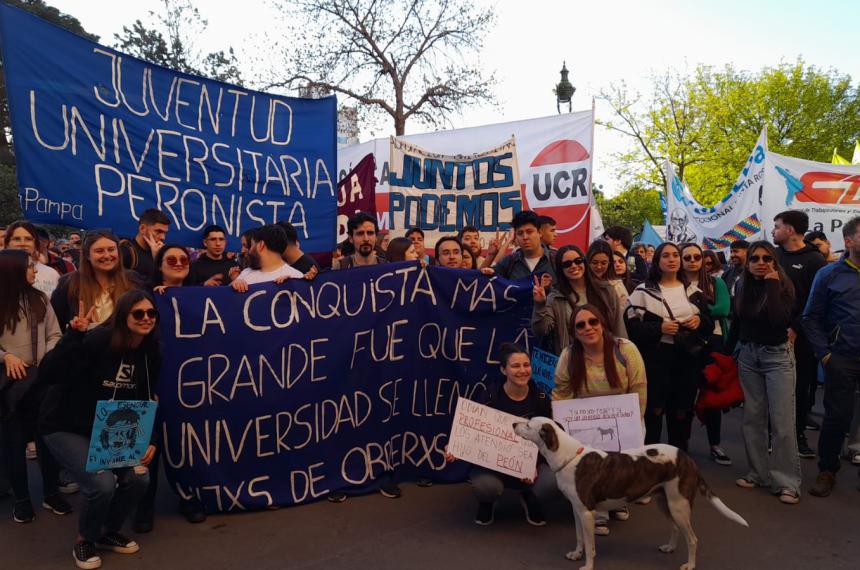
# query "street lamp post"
(564, 90)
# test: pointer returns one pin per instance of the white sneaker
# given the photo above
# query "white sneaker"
(855, 459)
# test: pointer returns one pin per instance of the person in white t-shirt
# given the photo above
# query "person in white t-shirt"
(265, 261)
(22, 235)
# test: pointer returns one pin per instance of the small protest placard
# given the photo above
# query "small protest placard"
(121, 433)
(543, 369)
(610, 423)
(485, 436)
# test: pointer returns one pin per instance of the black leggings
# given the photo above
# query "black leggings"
(673, 378)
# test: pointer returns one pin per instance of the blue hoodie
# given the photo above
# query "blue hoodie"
(832, 315)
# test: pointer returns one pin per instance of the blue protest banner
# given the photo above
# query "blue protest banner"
(101, 136)
(122, 431)
(543, 369)
(283, 394)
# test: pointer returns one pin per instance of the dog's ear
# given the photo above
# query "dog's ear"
(549, 437)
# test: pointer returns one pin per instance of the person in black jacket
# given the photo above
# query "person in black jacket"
(118, 360)
(800, 261)
(657, 311)
(764, 300)
(519, 396)
(213, 267)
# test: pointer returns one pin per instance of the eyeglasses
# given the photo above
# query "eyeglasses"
(757, 258)
(592, 322)
(176, 260)
(693, 257)
(139, 314)
(568, 263)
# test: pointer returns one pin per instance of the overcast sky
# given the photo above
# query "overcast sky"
(602, 42)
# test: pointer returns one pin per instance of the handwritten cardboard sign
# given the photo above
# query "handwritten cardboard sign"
(610, 423)
(485, 436)
(543, 369)
(121, 433)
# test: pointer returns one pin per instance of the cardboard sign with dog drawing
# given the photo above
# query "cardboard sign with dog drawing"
(610, 423)
(485, 436)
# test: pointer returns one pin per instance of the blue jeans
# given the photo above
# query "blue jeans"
(767, 378)
(109, 495)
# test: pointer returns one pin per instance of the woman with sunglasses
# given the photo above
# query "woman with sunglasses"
(172, 266)
(601, 261)
(716, 294)
(713, 265)
(98, 283)
(764, 299)
(119, 359)
(597, 363)
(576, 286)
(28, 330)
(657, 311)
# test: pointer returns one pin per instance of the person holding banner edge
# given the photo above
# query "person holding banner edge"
(117, 360)
(520, 396)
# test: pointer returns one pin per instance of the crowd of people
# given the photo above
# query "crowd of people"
(78, 324)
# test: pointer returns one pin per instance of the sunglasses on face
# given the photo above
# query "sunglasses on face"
(592, 322)
(757, 258)
(139, 314)
(176, 260)
(568, 263)
(693, 257)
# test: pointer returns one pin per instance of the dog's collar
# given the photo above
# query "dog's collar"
(566, 463)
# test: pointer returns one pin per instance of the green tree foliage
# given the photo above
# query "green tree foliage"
(404, 60)
(168, 40)
(707, 122)
(630, 208)
(9, 206)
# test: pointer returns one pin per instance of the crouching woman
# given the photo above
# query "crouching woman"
(519, 396)
(118, 360)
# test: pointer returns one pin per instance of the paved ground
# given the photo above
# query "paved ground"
(432, 528)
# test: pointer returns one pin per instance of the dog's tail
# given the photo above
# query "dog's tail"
(705, 490)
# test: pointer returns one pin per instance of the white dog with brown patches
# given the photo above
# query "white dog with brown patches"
(592, 480)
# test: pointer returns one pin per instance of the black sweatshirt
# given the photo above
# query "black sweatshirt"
(81, 370)
(801, 267)
(769, 325)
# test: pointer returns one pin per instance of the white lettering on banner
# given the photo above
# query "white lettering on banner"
(32, 199)
(222, 493)
(186, 165)
(485, 436)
